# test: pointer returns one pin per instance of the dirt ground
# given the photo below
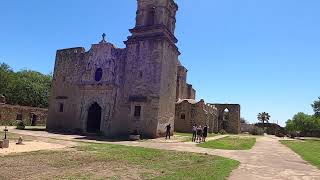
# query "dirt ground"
(29, 146)
(268, 159)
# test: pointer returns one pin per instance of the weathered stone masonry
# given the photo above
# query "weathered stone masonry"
(120, 91)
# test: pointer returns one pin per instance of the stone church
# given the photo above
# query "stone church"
(120, 91)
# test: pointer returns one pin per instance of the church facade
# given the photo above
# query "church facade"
(121, 91)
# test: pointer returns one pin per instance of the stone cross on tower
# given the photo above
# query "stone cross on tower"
(103, 38)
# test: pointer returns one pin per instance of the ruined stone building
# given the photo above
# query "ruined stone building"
(120, 90)
(189, 112)
(9, 114)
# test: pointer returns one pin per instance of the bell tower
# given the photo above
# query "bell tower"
(155, 17)
(150, 68)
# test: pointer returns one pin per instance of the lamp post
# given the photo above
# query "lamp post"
(5, 132)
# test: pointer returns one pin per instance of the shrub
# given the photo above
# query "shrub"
(222, 131)
(20, 125)
(257, 131)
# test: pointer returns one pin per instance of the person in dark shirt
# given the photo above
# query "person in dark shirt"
(168, 129)
(194, 132)
(204, 133)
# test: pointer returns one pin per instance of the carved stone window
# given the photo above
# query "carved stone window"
(137, 111)
(98, 74)
(151, 17)
(61, 107)
(182, 116)
(19, 116)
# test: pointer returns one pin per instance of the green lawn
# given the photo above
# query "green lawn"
(309, 150)
(104, 161)
(230, 143)
(190, 134)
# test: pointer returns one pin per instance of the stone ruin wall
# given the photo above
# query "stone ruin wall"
(190, 112)
(233, 125)
(10, 113)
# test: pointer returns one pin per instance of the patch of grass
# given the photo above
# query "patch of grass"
(103, 161)
(190, 134)
(230, 143)
(171, 164)
(309, 150)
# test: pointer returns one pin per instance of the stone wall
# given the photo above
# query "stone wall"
(232, 125)
(137, 88)
(190, 112)
(30, 115)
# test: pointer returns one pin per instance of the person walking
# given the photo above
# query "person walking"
(204, 133)
(199, 134)
(194, 132)
(168, 129)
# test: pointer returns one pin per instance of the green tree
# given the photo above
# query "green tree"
(316, 107)
(6, 78)
(25, 87)
(303, 122)
(243, 121)
(263, 117)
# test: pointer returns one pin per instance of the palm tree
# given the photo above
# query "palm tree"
(263, 117)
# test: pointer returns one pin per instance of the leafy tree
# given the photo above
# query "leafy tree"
(6, 78)
(303, 122)
(25, 87)
(263, 117)
(316, 107)
(243, 121)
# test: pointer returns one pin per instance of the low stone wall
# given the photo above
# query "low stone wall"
(9, 114)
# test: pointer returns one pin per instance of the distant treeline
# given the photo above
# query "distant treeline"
(25, 87)
(304, 122)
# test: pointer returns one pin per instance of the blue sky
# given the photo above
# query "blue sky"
(262, 54)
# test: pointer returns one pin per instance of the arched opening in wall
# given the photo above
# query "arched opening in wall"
(98, 75)
(34, 119)
(94, 118)
(150, 17)
(225, 120)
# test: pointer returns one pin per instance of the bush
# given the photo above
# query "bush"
(8, 123)
(257, 131)
(279, 134)
(20, 125)
(222, 131)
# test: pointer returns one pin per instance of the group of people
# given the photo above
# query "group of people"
(199, 134)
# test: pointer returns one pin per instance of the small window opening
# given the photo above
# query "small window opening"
(137, 111)
(140, 74)
(183, 116)
(98, 74)
(151, 17)
(61, 108)
(19, 116)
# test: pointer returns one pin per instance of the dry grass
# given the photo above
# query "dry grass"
(102, 161)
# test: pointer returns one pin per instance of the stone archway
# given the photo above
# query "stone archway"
(225, 119)
(94, 118)
(228, 120)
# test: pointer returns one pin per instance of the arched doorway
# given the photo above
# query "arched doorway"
(34, 119)
(94, 118)
(225, 120)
